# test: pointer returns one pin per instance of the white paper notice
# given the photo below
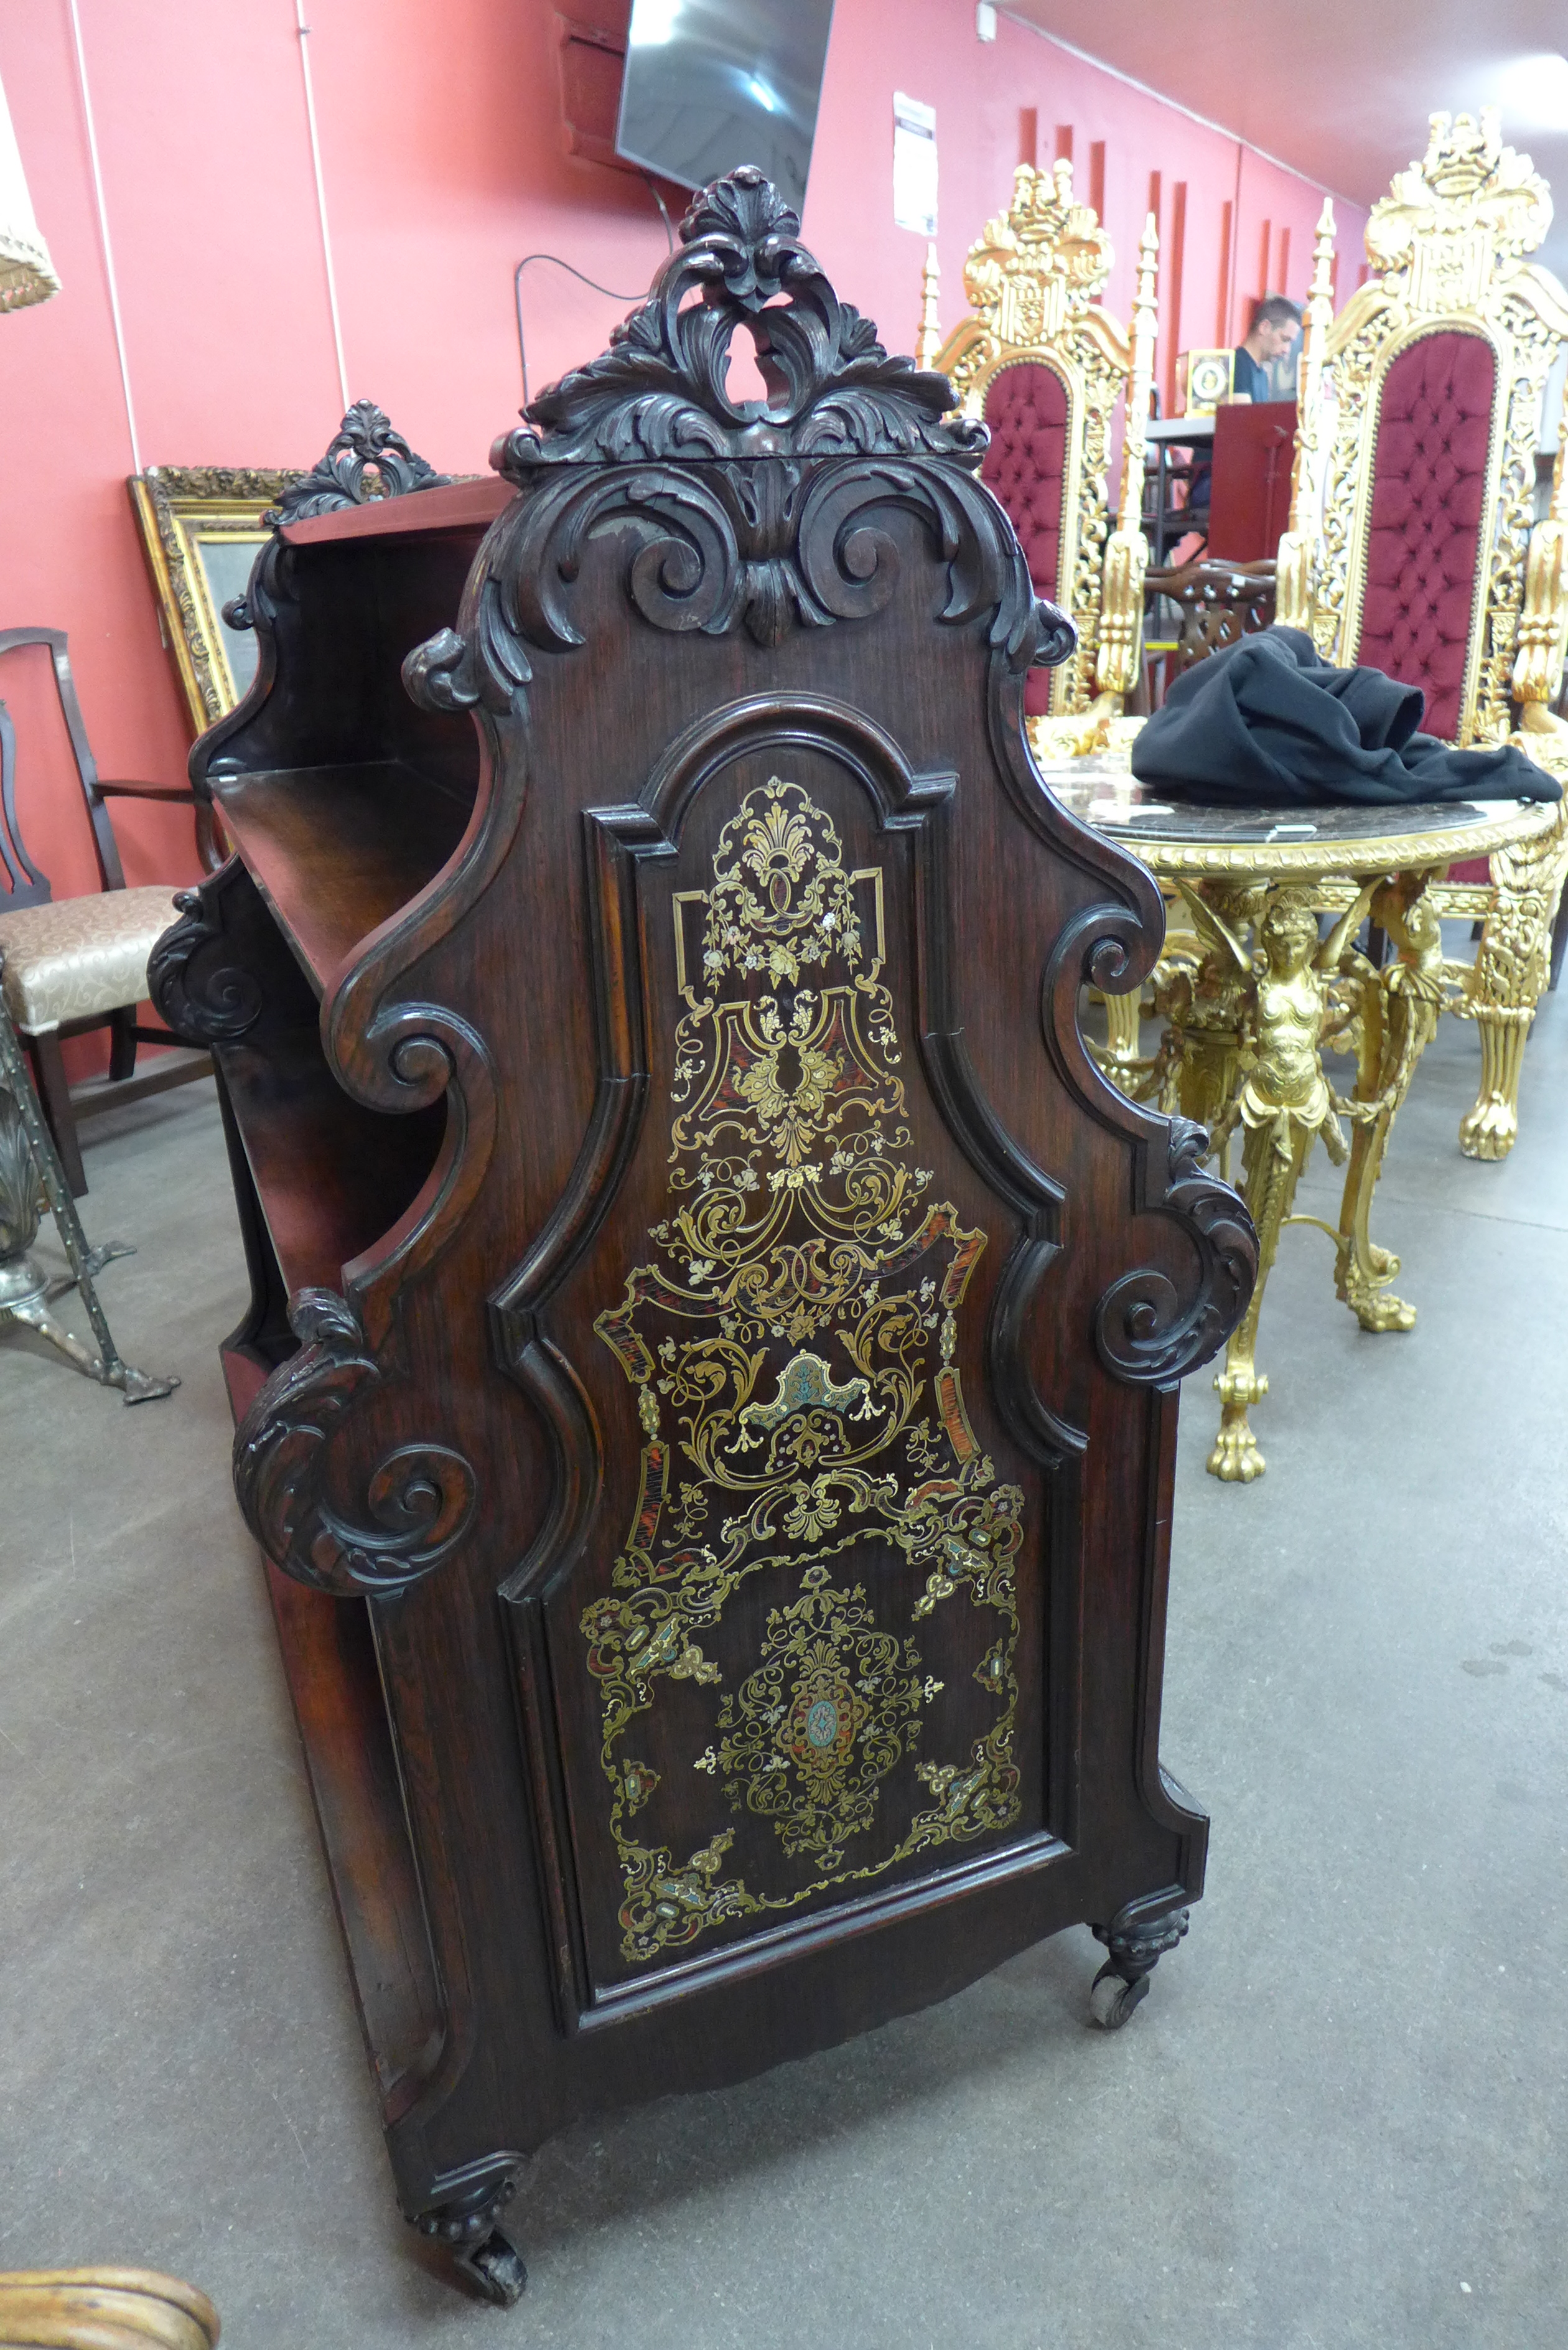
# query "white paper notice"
(914, 164)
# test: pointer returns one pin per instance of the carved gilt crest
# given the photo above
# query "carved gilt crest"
(1455, 222)
(1040, 262)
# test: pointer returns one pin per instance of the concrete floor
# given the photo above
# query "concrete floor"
(1338, 2120)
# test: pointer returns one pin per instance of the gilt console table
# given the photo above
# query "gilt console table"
(708, 1402)
(1249, 996)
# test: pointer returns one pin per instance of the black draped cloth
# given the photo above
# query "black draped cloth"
(1266, 723)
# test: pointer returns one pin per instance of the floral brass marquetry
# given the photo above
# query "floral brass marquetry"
(793, 1345)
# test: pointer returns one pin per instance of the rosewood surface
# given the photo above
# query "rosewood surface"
(709, 1399)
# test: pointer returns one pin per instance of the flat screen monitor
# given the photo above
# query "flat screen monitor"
(714, 83)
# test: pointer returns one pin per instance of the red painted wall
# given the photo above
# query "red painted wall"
(443, 164)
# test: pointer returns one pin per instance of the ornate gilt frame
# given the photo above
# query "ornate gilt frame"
(177, 507)
(1032, 277)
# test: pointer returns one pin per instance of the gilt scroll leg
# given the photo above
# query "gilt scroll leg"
(1121, 1032)
(1271, 1161)
(1511, 967)
(1363, 1269)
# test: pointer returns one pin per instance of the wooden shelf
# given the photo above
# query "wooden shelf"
(470, 504)
(336, 851)
(332, 1176)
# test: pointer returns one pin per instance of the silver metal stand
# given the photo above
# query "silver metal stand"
(30, 1172)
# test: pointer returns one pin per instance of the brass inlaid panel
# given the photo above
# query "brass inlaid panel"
(793, 1343)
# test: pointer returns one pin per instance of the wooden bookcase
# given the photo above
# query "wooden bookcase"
(709, 1399)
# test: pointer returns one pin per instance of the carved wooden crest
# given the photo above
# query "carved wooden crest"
(366, 458)
(659, 390)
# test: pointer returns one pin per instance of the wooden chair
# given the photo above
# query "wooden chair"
(104, 2309)
(76, 963)
(1045, 365)
(1413, 544)
(1217, 604)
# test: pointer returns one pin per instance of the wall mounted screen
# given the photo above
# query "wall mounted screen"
(714, 83)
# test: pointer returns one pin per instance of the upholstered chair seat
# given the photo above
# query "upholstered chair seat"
(79, 957)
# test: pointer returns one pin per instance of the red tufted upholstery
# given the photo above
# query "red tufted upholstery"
(1434, 425)
(1027, 409)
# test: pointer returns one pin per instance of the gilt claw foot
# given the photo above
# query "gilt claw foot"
(1379, 1309)
(1235, 1459)
(1490, 1130)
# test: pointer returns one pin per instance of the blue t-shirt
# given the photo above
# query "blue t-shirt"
(1249, 377)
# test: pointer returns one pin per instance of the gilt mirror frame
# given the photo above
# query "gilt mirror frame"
(202, 527)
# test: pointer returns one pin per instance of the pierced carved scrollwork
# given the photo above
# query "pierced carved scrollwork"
(367, 458)
(205, 998)
(767, 548)
(659, 390)
(418, 1499)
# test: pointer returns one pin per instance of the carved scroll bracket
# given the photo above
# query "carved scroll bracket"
(1147, 1331)
(199, 991)
(418, 1499)
(1144, 1331)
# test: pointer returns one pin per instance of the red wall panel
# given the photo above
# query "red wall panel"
(443, 163)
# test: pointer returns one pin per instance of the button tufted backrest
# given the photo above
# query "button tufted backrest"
(1027, 409)
(1429, 494)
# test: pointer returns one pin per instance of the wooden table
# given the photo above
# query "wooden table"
(1251, 995)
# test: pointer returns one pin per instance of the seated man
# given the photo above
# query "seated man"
(1269, 338)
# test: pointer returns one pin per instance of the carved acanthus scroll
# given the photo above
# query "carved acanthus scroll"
(418, 1499)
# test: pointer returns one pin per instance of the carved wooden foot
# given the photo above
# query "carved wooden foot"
(1136, 1946)
(1491, 1128)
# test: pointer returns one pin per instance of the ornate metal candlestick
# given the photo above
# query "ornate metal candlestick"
(30, 1172)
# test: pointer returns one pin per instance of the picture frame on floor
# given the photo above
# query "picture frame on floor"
(201, 526)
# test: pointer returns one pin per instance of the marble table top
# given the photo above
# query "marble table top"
(1173, 837)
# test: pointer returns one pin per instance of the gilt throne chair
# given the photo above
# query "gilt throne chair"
(1043, 364)
(1413, 545)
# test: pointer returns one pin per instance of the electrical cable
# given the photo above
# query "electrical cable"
(303, 29)
(103, 235)
(611, 293)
